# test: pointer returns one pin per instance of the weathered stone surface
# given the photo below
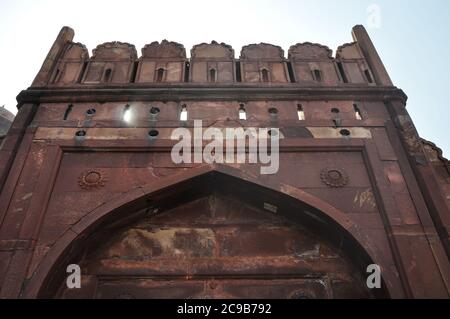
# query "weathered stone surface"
(87, 177)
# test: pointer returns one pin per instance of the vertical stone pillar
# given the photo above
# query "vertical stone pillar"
(361, 36)
(43, 77)
(422, 170)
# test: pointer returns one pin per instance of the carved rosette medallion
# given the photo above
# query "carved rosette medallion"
(334, 177)
(93, 178)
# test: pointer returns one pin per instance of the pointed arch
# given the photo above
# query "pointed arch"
(212, 75)
(160, 75)
(138, 198)
(265, 75)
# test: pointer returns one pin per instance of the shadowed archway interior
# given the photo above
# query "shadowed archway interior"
(216, 236)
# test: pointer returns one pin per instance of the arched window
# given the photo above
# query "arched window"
(107, 77)
(357, 112)
(183, 113)
(160, 75)
(300, 112)
(127, 113)
(317, 75)
(242, 112)
(265, 75)
(212, 75)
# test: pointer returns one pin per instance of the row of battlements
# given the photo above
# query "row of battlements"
(167, 62)
(168, 50)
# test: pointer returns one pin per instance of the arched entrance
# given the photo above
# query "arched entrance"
(211, 235)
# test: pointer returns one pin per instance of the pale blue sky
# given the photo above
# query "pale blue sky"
(413, 39)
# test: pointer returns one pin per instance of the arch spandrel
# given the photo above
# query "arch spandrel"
(144, 197)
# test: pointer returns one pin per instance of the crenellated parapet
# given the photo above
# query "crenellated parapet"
(111, 62)
(213, 50)
(263, 63)
(70, 67)
(161, 62)
(308, 51)
(262, 52)
(313, 64)
(212, 62)
(114, 51)
(164, 50)
(353, 64)
(306, 64)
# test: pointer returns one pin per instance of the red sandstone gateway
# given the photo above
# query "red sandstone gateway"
(87, 179)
